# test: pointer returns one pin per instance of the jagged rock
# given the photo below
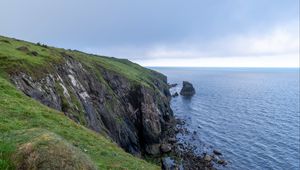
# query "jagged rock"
(172, 140)
(153, 149)
(165, 148)
(217, 152)
(187, 89)
(222, 162)
(173, 85)
(175, 94)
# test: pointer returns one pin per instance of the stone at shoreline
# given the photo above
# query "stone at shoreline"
(187, 89)
(207, 158)
(175, 94)
(217, 152)
(172, 140)
(222, 162)
(165, 148)
(185, 151)
(173, 85)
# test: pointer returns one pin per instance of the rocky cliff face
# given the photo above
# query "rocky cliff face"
(133, 114)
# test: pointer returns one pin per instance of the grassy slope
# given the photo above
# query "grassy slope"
(19, 113)
(13, 60)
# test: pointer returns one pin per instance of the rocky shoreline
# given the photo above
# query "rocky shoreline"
(180, 154)
(118, 99)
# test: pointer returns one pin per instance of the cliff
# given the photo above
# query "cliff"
(113, 97)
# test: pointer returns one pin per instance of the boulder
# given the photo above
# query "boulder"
(207, 158)
(187, 89)
(222, 162)
(34, 53)
(23, 49)
(173, 85)
(172, 140)
(164, 148)
(175, 94)
(152, 149)
(217, 152)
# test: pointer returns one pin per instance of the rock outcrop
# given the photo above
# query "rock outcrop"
(133, 114)
(175, 94)
(187, 89)
(173, 85)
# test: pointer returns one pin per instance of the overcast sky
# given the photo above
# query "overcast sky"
(240, 33)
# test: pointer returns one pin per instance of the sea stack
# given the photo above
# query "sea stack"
(187, 89)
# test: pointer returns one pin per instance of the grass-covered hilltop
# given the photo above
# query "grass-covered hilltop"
(65, 109)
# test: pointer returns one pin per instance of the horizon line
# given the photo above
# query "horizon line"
(223, 67)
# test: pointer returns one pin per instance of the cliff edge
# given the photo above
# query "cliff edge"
(113, 97)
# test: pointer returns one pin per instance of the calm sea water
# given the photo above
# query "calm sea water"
(250, 115)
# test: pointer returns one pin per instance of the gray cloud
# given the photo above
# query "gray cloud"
(137, 29)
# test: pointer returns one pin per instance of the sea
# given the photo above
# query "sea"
(250, 115)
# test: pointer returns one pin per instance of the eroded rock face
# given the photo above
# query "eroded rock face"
(133, 115)
(187, 89)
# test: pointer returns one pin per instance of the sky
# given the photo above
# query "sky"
(190, 33)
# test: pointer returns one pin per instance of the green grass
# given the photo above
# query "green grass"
(13, 60)
(19, 113)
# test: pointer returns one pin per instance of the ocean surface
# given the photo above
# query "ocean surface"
(251, 115)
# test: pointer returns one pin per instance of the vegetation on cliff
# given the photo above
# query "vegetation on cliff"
(19, 114)
(26, 122)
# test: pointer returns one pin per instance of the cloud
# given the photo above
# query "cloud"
(262, 61)
(276, 47)
(159, 30)
(280, 40)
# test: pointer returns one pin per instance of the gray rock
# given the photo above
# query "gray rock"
(172, 140)
(222, 162)
(187, 89)
(113, 105)
(217, 152)
(173, 85)
(34, 53)
(23, 49)
(207, 158)
(175, 94)
(153, 149)
(165, 148)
